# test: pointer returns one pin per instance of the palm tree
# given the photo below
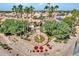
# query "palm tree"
(56, 7)
(26, 10)
(20, 8)
(15, 9)
(48, 9)
(31, 10)
(52, 8)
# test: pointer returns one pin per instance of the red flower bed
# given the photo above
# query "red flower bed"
(41, 51)
(36, 47)
(37, 50)
(33, 50)
(41, 47)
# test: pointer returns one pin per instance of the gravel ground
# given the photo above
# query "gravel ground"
(4, 52)
(23, 47)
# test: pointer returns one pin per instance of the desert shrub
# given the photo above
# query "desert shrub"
(60, 30)
(70, 21)
(48, 27)
(74, 13)
(63, 31)
(12, 26)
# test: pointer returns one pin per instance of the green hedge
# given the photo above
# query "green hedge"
(70, 21)
(60, 30)
(13, 26)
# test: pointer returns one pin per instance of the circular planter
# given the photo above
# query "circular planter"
(39, 39)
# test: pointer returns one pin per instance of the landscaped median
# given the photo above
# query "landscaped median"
(53, 37)
(12, 26)
(60, 30)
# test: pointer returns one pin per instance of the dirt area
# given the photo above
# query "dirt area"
(22, 47)
(25, 48)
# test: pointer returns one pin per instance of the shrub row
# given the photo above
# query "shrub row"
(11, 26)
